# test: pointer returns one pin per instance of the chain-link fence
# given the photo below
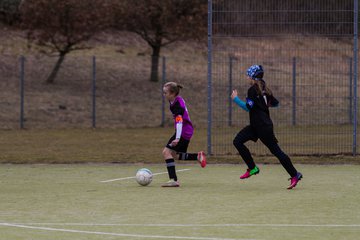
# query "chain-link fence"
(309, 52)
(102, 91)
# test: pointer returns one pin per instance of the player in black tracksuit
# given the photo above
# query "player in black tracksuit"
(259, 99)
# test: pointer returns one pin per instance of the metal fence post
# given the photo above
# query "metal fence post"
(209, 77)
(230, 90)
(22, 81)
(162, 95)
(350, 90)
(356, 19)
(294, 91)
(94, 93)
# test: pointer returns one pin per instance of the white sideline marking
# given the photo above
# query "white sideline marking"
(192, 225)
(115, 234)
(120, 179)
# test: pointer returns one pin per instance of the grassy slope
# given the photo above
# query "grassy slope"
(124, 93)
(125, 98)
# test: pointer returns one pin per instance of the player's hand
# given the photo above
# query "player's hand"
(175, 142)
(234, 94)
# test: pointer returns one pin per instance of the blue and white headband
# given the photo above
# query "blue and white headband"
(255, 72)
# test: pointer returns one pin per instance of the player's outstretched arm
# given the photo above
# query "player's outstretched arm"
(238, 101)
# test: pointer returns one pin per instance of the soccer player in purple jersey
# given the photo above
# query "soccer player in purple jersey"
(179, 142)
(259, 99)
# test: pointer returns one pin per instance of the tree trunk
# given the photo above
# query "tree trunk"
(155, 58)
(56, 69)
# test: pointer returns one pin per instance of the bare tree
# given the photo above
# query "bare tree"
(64, 26)
(162, 22)
(9, 11)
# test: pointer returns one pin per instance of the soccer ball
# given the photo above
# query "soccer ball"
(144, 176)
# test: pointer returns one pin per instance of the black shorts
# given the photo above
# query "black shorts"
(182, 145)
(264, 133)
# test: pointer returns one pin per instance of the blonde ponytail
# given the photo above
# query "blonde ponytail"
(173, 87)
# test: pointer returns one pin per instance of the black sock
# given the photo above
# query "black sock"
(170, 164)
(188, 156)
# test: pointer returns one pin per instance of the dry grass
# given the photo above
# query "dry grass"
(126, 98)
(145, 145)
(88, 145)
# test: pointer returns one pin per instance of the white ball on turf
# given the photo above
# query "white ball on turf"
(144, 176)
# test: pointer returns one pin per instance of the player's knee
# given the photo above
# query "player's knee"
(166, 153)
(234, 142)
(237, 143)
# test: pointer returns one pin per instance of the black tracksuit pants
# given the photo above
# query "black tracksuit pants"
(267, 136)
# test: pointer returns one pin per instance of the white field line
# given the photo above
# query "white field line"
(120, 179)
(194, 225)
(114, 234)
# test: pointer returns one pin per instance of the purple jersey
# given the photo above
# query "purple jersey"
(178, 107)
